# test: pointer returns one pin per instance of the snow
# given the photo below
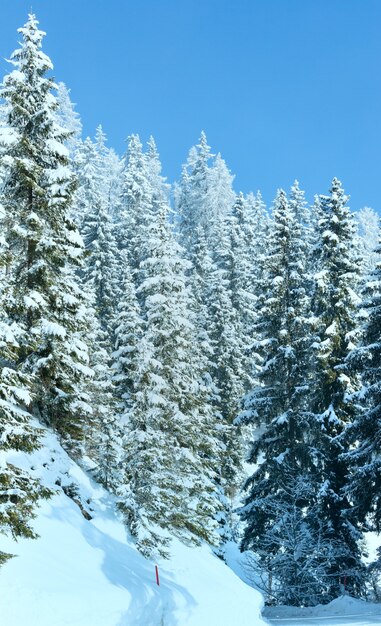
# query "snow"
(57, 147)
(344, 610)
(52, 329)
(82, 573)
(8, 136)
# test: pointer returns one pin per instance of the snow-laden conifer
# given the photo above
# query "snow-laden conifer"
(135, 202)
(334, 305)
(282, 446)
(101, 264)
(191, 194)
(111, 168)
(365, 432)
(68, 118)
(128, 335)
(229, 371)
(19, 491)
(43, 296)
(204, 196)
(102, 434)
(367, 239)
(170, 453)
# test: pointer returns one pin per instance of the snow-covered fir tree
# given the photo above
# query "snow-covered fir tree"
(367, 222)
(103, 433)
(204, 196)
(191, 193)
(283, 445)
(170, 451)
(334, 305)
(19, 491)
(228, 371)
(101, 264)
(365, 432)
(128, 335)
(240, 268)
(68, 118)
(135, 204)
(219, 199)
(43, 296)
(111, 167)
(257, 229)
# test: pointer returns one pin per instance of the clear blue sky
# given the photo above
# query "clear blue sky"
(283, 88)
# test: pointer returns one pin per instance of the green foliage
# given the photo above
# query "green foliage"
(19, 494)
(43, 246)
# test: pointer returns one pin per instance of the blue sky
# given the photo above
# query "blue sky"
(284, 89)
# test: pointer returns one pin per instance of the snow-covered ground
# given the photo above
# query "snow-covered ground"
(88, 573)
(344, 610)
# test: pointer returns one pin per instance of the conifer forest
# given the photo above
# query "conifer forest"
(213, 363)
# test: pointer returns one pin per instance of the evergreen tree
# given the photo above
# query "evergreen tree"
(135, 204)
(85, 170)
(19, 491)
(170, 453)
(191, 194)
(228, 373)
(367, 239)
(68, 118)
(110, 169)
(219, 200)
(283, 446)
(257, 230)
(101, 266)
(160, 190)
(102, 435)
(43, 296)
(334, 306)
(364, 434)
(299, 207)
(128, 335)
(204, 196)
(200, 279)
(240, 267)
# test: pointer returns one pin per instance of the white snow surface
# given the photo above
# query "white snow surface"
(344, 610)
(89, 573)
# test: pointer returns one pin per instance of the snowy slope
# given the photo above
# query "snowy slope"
(88, 573)
(343, 611)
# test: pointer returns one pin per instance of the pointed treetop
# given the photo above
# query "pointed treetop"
(134, 146)
(152, 148)
(203, 139)
(31, 49)
(100, 135)
(31, 32)
(280, 198)
(295, 186)
(337, 191)
(239, 205)
(221, 169)
(203, 148)
(31, 23)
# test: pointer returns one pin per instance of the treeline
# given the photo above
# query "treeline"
(164, 332)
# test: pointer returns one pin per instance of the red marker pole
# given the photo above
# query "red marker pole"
(157, 575)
